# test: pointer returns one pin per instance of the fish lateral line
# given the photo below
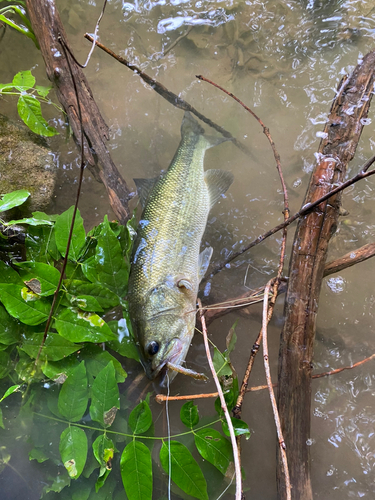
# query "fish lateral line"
(186, 371)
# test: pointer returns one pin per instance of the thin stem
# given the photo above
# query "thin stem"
(224, 407)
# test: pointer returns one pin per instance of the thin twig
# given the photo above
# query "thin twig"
(160, 398)
(171, 97)
(82, 168)
(304, 210)
(265, 322)
(224, 407)
(178, 40)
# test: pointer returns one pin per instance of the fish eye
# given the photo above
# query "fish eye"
(152, 348)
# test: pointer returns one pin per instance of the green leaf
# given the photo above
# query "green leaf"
(30, 112)
(14, 199)
(111, 267)
(221, 364)
(96, 359)
(89, 269)
(85, 302)
(11, 390)
(54, 349)
(5, 364)
(23, 80)
(125, 345)
(38, 241)
(62, 229)
(214, 448)
(105, 297)
(189, 414)
(104, 450)
(73, 450)
(74, 395)
(8, 274)
(29, 220)
(140, 419)
(231, 339)
(23, 304)
(136, 471)
(240, 427)
(185, 471)
(10, 331)
(59, 370)
(41, 278)
(38, 455)
(105, 397)
(80, 326)
(1, 422)
(43, 91)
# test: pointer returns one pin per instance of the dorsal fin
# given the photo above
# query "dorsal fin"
(218, 182)
(144, 188)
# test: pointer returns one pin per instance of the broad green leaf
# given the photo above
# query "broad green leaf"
(240, 427)
(89, 269)
(136, 471)
(23, 304)
(229, 400)
(84, 302)
(37, 243)
(189, 414)
(214, 448)
(38, 455)
(5, 364)
(41, 278)
(105, 297)
(221, 364)
(73, 450)
(140, 419)
(30, 112)
(104, 450)
(231, 338)
(96, 359)
(111, 267)
(105, 397)
(11, 390)
(74, 395)
(125, 345)
(185, 471)
(23, 80)
(62, 229)
(29, 220)
(14, 199)
(43, 91)
(54, 349)
(59, 370)
(59, 483)
(80, 326)
(8, 274)
(10, 331)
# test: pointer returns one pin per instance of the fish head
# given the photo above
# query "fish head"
(165, 331)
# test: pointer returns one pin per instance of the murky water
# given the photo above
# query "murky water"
(283, 59)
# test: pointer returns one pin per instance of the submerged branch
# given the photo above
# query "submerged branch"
(171, 97)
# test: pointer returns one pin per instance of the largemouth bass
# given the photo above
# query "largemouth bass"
(166, 266)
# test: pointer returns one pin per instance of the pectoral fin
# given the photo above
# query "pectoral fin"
(144, 188)
(204, 261)
(218, 182)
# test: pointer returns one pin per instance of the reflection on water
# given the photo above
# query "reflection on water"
(284, 59)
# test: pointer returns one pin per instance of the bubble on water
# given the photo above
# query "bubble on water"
(323, 135)
(337, 284)
(297, 182)
(310, 442)
(366, 121)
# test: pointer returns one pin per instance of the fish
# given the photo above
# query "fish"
(167, 265)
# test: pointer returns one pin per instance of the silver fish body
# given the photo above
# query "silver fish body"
(167, 266)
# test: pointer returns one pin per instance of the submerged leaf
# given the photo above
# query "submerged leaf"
(214, 448)
(185, 471)
(104, 396)
(73, 450)
(136, 471)
(140, 419)
(189, 414)
(74, 395)
(54, 349)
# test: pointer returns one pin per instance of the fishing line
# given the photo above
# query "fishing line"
(169, 442)
(226, 489)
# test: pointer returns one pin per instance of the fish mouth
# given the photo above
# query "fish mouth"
(176, 355)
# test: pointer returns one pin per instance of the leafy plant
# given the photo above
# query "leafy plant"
(19, 9)
(29, 98)
(70, 404)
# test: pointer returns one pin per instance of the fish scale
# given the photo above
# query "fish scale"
(166, 265)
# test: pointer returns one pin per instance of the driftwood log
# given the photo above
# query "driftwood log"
(48, 29)
(313, 233)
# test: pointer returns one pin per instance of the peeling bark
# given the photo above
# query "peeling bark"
(313, 233)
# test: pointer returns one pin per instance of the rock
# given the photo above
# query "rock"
(26, 163)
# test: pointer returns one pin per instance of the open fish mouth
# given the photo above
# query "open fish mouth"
(175, 357)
